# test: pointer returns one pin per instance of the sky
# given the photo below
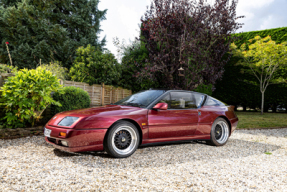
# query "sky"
(123, 17)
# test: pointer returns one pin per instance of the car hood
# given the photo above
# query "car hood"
(88, 113)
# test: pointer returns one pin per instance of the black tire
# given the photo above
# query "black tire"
(122, 139)
(220, 132)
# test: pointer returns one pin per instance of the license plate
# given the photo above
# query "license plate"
(47, 132)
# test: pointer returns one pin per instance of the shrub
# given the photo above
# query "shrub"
(7, 68)
(55, 68)
(26, 95)
(73, 98)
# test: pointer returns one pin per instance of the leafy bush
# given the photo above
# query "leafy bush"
(26, 95)
(72, 98)
(94, 67)
(7, 68)
(55, 68)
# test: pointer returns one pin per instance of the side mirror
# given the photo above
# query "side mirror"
(161, 106)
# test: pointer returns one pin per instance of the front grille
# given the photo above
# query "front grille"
(52, 140)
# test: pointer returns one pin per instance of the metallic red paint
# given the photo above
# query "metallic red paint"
(172, 123)
(183, 138)
(77, 149)
(78, 138)
(88, 132)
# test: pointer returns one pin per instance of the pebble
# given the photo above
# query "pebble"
(252, 160)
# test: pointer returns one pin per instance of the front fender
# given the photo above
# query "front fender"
(105, 122)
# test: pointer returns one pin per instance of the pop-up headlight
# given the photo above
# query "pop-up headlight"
(68, 121)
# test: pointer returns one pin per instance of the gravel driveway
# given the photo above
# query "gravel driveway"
(29, 164)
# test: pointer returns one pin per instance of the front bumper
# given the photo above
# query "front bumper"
(78, 140)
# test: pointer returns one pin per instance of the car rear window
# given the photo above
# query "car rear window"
(214, 102)
(199, 98)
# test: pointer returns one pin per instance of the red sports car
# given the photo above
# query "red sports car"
(152, 116)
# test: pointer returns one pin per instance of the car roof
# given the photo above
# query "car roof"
(167, 90)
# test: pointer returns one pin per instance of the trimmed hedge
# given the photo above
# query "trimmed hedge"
(278, 35)
(73, 98)
(232, 90)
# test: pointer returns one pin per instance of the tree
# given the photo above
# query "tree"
(193, 35)
(7, 3)
(263, 57)
(234, 92)
(94, 67)
(48, 30)
(131, 55)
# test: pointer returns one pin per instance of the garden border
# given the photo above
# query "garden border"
(20, 132)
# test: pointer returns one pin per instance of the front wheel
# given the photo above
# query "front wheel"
(122, 140)
(219, 132)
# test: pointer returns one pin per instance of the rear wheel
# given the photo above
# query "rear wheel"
(219, 132)
(122, 140)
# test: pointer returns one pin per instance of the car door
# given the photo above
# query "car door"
(180, 119)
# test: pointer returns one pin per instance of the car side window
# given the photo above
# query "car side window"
(198, 99)
(166, 99)
(182, 100)
(213, 102)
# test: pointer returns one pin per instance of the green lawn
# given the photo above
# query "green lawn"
(256, 120)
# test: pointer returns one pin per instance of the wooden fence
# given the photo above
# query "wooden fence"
(101, 94)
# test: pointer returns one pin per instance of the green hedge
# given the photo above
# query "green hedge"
(73, 98)
(232, 90)
(278, 35)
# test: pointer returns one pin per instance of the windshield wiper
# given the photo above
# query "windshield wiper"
(134, 104)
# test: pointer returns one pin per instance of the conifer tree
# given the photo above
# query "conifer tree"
(48, 30)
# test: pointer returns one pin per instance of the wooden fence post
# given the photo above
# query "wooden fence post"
(111, 94)
(103, 94)
(92, 99)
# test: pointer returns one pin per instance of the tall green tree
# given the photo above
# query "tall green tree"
(92, 66)
(131, 55)
(264, 58)
(48, 30)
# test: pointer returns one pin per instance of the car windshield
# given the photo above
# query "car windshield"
(141, 99)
